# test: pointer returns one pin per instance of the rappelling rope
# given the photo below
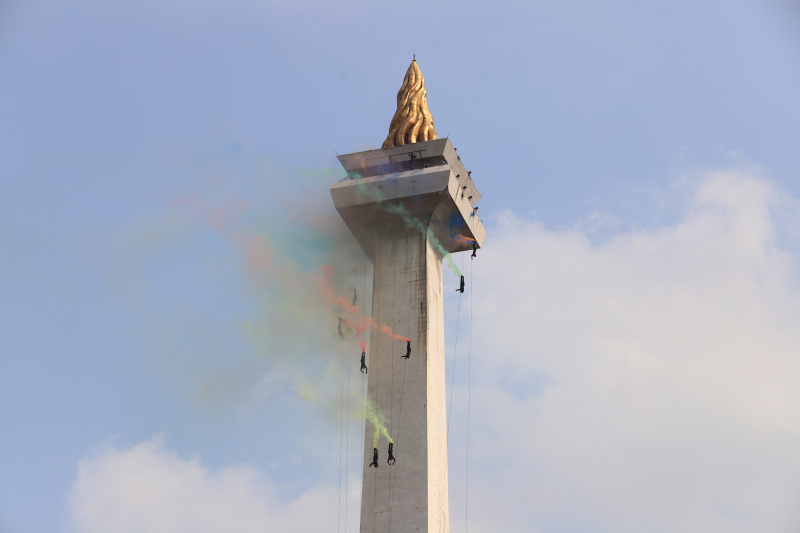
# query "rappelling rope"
(363, 425)
(375, 407)
(409, 266)
(469, 396)
(394, 325)
(347, 469)
(402, 387)
(391, 363)
(363, 376)
(341, 411)
(450, 407)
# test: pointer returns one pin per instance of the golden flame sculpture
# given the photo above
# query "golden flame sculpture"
(412, 121)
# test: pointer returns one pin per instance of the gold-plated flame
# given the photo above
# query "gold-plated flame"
(412, 121)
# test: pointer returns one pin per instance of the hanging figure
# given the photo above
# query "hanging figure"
(339, 327)
(363, 362)
(355, 297)
(390, 460)
(408, 350)
(374, 458)
(474, 250)
(461, 288)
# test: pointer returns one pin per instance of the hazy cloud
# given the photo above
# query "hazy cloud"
(148, 488)
(644, 383)
(658, 372)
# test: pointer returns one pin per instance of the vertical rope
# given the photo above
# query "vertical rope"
(364, 376)
(347, 447)
(394, 327)
(402, 387)
(469, 395)
(347, 441)
(363, 427)
(376, 365)
(341, 409)
(391, 359)
(450, 407)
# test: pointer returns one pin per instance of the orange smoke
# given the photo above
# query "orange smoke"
(258, 257)
(462, 239)
(353, 316)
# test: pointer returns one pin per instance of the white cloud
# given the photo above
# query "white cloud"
(149, 489)
(667, 362)
(646, 383)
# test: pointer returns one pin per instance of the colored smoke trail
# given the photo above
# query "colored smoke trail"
(457, 237)
(386, 330)
(463, 239)
(363, 346)
(410, 222)
(259, 259)
(375, 417)
(306, 299)
(378, 420)
(365, 323)
(351, 314)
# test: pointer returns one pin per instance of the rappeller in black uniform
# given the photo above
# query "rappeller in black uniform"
(374, 458)
(390, 460)
(461, 287)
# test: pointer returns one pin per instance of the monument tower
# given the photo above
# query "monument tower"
(409, 204)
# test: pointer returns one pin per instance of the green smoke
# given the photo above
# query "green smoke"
(415, 223)
(410, 221)
(378, 420)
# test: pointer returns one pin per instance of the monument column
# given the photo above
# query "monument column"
(409, 204)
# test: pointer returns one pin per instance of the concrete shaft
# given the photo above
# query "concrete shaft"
(408, 206)
(410, 496)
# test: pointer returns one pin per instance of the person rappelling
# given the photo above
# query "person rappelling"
(339, 327)
(474, 250)
(408, 350)
(390, 460)
(355, 298)
(364, 362)
(374, 458)
(461, 287)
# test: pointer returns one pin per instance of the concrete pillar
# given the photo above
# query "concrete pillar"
(406, 206)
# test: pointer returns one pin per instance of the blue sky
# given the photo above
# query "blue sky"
(636, 304)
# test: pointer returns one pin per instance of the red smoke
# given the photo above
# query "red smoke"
(225, 220)
(366, 322)
(352, 315)
(327, 272)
